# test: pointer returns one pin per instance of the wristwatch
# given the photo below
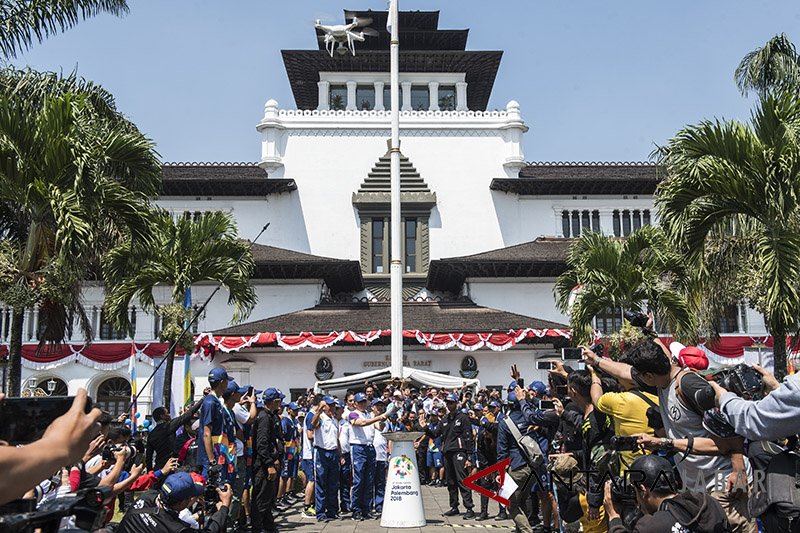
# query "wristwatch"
(667, 444)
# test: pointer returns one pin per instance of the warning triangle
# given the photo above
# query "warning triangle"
(494, 470)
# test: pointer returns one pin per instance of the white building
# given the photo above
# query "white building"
(485, 232)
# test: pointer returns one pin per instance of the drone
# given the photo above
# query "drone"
(342, 37)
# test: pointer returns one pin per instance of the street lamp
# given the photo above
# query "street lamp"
(31, 383)
(51, 386)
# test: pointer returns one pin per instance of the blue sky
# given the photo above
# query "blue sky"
(597, 81)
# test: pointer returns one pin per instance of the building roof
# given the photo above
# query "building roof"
(303, 68)
(544, 257)
(540, 179)
(340, 275)
(375, 190)
(220, 179)
(430, 317)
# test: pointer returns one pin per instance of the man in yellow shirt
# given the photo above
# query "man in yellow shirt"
(628, 410)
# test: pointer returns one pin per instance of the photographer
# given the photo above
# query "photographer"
(64, 442)
(655, 489)
(179, 491)
(775, 416)
(704, 461)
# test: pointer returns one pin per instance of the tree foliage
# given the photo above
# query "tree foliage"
(624, 274)
(772, 67)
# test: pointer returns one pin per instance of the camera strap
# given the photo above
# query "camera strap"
(647, 400)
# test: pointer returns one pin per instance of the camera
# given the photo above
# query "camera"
(742, 380)
(134, 447)
(599, 349)
(623, 444)
(636, 319)
(213, 483)
(654, 419)
(85, 505)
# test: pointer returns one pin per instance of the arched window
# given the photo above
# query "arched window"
(113, 395)
(60, 388)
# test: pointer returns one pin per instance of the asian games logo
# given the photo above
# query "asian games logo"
(402, 466)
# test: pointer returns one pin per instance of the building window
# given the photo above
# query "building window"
(113, 396)
(107, 330)
(627, 221)
(575, 222)
(338, 97)
(365, 98)
(729, 321)
(609, 321)
(413, 240)
(378, 245)
(410, 244)
(447, 97)
(420, 98)
(387, 97)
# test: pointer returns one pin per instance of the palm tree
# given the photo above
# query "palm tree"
(624, 274)
(71, 181)
(23, 21)
(743, 181)
(773, 67)
(183, 252)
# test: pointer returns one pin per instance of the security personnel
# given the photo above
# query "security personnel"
(455, 429)
(326, 461)
(268, 453)
(362, 450)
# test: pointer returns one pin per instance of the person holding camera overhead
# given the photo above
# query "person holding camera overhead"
(178, 492)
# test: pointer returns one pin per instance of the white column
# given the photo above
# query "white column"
(607, 221)
(379, 103)
(406, 96)
(351, 96)
(461, 96)
(396, 268)
(324, 95)
(433, 90)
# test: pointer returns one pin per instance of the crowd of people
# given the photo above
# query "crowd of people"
(649, 442)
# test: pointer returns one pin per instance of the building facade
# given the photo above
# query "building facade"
(484, 232)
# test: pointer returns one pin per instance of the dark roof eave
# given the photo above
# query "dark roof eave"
(540, 187)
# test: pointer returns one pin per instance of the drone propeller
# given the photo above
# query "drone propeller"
(352, 16)
(369, 32)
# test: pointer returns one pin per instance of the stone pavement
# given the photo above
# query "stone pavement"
(435, 500)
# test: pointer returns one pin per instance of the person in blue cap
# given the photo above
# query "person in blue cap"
(267, 459)
(455, 429)
(214, 446)
(326, 461)
(291, 447)
(178, 492)
(362, 449)
(345, 463)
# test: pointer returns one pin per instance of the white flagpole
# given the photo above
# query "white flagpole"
(396, 269)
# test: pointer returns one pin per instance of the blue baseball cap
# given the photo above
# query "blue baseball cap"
(330, 400)
(360, 397)
(216, 375)
(494, 403)
(233, 387)
(512, 385)
(273, 394)
(538, 387)
(339, 403)
(293, 406)
(179, 486)
(512, 397)
(451, 398)
(376, 401)
(478, 406)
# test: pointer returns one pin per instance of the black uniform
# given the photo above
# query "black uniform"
(457, 445)
(161, 442)
(267, 451)
(153, 517)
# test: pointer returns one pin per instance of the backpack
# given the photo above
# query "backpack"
(779, 492)
(528, 446)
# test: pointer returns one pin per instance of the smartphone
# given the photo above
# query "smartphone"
(547, 404)
(571, 354)
(24, 420)
(544, 365)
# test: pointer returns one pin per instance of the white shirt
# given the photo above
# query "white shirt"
(326, 436)
(344, 435)
(241, 415)
(381, 445)
(361, 435)
(308, 452)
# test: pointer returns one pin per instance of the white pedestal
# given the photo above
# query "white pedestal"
(402, 504)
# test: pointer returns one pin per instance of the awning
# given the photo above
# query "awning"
(417, 377)
(468, 342)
